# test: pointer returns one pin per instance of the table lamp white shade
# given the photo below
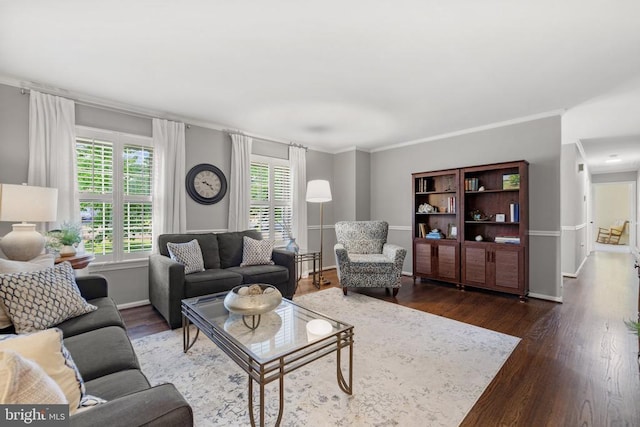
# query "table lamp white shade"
(26, 203)
(318, 191)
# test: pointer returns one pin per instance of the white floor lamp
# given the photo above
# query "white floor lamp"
(319, 191)
(26, 203)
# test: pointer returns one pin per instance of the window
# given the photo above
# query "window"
(271, 198)
(115, 189)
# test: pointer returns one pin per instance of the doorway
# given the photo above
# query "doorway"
(613, 203)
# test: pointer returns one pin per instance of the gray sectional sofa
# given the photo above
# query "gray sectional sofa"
(222, 254)
(109, 367)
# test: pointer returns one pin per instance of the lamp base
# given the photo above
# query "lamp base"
(23, 243)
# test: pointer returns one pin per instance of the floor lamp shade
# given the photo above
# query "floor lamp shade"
(27, 204)
(319, 191)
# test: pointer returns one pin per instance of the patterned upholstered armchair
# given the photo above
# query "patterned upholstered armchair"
(364, 258)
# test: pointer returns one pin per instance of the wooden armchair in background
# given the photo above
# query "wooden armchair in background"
(612, 234)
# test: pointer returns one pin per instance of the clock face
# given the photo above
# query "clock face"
(206, 184)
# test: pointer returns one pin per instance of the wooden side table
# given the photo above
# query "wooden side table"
(78, 261)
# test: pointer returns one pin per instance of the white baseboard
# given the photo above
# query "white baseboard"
(545, 297)
(133, 304)
(575, 275)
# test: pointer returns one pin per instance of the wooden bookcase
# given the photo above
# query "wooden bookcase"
(491, 262)
(474, 201)
(434, 258)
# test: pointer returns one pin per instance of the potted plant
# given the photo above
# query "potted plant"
(65, 240)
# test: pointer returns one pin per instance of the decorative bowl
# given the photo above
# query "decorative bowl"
(249, 305)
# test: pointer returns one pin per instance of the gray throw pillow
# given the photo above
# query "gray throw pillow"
(256, 252)
(40, 299)
(188, 254)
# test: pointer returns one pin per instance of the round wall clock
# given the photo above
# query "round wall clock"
(206, 184)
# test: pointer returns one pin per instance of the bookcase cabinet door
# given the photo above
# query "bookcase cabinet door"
(448, 259)
(475, 266)
(423, 255)
(508, 266)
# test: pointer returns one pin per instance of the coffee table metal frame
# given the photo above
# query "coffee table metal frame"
(276, 367)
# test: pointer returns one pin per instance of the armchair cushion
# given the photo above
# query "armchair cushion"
(370, 263)
(364, 246)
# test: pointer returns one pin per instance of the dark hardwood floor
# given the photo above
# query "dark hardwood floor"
(575, 366)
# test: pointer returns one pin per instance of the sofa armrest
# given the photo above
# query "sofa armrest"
(286, 259)
(162, 405)
(92, 286)
(396, 253)
(166, 287)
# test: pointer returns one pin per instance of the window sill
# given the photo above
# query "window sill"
(98, 266)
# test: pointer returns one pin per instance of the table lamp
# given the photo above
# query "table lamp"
(26, 203)
(319, 191)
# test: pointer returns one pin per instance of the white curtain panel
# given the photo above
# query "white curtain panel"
(240, 182)
(169, 194)
(52, 152)
(298, 165)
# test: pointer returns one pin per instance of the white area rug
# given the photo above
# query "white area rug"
(410, 369)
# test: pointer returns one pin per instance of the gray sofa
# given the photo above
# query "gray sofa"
(103, 353)
(222, 254)
(109, 367)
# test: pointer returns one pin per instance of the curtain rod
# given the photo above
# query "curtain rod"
(25, 91)
(239, 132)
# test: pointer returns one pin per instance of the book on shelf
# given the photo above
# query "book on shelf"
(422, 230)
(507, 239)
(471, 184)
(451, 204)
(514, 212)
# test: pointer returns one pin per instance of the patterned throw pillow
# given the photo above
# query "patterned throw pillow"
(23, 381)
(256, 252)
(40, 299)
(47, 350)
(6, 266)
(189, 254)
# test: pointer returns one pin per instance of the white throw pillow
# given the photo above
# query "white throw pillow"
(40, 262)
(47, 350)
(256, 252)
(189, 254)
(40, 299)
(23, 381)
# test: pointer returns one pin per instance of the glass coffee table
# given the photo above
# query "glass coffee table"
(279, 345)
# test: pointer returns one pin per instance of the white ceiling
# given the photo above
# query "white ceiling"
(329, 74)
(599, 150)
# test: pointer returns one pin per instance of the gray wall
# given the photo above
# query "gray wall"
(363, 185)
(573, 192)
(14, 139)
(536, 141)
(344, 190)
(604, 178)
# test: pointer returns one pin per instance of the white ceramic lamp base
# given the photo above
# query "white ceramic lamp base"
(23, 243)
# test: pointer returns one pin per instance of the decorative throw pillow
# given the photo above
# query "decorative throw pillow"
(23, 381)
(40, 299)
(40, 262)
(256, 252)
(47, 350)
(189, 254)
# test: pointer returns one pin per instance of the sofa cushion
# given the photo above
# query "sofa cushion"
(209, 282)
(256, 252)
(187, 254)
(40, 299)
(208, 245)
(102, 352)
(118, 384)
(270, 274)
(23, 381)
(230, 245)
(107, 314)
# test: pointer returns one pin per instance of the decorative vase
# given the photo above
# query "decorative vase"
(67, 250)
(292, 246)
